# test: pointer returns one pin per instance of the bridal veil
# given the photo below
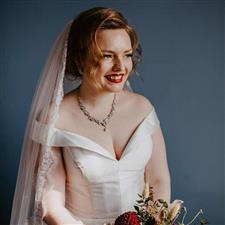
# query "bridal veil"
(36, 158)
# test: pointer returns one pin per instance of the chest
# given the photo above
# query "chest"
(119, 131)
(116, 137)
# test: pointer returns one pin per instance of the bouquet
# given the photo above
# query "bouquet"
(158, 212)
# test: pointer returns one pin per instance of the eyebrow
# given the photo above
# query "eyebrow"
(110, 51)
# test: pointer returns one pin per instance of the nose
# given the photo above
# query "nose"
(118, 64)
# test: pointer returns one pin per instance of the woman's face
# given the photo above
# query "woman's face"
(116, 65)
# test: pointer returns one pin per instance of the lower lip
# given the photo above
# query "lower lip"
(115, 81)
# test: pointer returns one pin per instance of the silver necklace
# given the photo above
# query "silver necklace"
(104, 122)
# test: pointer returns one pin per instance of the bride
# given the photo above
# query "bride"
(89, 150)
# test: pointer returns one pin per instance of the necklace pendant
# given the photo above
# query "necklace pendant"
(103, 122)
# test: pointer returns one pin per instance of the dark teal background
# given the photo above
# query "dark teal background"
(183, 72)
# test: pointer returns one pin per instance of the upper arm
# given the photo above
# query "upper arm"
(54, 193)
(157, 166)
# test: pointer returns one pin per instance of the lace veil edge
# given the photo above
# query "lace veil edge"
(36, 158)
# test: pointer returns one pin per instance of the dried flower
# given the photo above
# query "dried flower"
(163, 214)
(174, 209)
(146, 191)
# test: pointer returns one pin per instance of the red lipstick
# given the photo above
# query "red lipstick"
(115, 78)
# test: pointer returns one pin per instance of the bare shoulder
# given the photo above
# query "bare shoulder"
(68, 99)
(67, 110)
(140, 103)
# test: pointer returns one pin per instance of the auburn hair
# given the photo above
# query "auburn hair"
(82, 43)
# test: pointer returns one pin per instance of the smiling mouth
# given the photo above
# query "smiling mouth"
(115, 78)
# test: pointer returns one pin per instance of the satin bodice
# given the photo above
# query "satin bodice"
(98, 186)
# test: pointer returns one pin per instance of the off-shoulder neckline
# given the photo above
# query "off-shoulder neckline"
(77, 135)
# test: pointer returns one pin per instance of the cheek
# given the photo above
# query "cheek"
(129, 65)
(104, 67)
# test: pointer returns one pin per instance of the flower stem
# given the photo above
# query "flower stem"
(185, 213)
(199, 212)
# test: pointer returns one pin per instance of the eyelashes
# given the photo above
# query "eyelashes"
(129, 55)
(110, 56)
(106, 56)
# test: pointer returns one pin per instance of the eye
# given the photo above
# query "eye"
(130, 55)
(107, 56)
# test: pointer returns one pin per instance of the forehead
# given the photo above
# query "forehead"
(113, 40)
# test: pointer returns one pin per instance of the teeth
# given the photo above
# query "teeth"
(115, 77)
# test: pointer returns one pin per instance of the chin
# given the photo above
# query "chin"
(115, 88)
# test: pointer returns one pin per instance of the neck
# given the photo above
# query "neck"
(93, 97)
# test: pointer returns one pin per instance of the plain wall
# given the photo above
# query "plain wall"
(183, 72)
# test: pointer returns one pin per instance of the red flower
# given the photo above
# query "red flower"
(128, 218)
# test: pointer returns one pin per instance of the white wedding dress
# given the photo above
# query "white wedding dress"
(98, 186)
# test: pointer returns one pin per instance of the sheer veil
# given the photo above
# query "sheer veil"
(36, 158)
